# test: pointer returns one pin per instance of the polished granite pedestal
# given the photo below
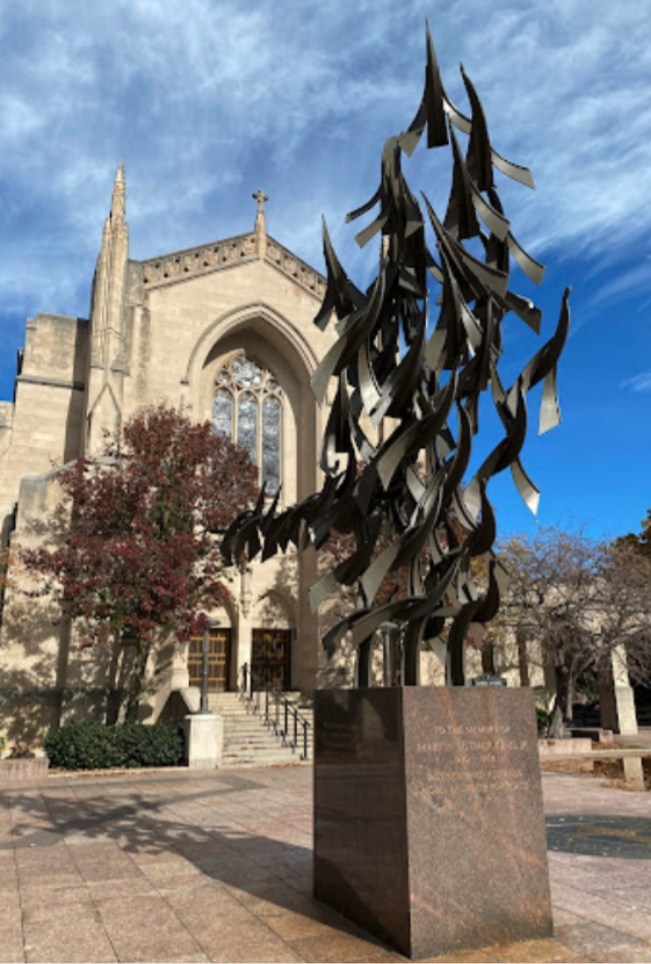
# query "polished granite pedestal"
(428, 819)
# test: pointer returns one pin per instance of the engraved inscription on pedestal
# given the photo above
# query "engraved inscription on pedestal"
(474, 806)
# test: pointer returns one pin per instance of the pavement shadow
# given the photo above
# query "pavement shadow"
(146, 816)
(599, 835)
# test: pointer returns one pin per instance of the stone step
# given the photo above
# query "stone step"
(235, 743)
(262, 750)
(230, 708)
(242, 713)
(255, 744)
(225, 710)
(262, 759)
(293, 696)
(283, 758)
(250, 764)
(255, 723)
(248, 740)
(261, 755)
(248, 725)
(240, 710)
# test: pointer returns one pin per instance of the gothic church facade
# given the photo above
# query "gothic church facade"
(223, 332)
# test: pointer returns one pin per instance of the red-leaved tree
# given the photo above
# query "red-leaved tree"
(135, 555)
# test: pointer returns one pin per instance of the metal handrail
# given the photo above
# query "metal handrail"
(255, 693)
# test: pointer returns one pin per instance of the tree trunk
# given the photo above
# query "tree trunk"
(136, 682)
(523, 656)
(569, 712)
(559, 712)
(488, 660)
(115, 681)
(556, 729)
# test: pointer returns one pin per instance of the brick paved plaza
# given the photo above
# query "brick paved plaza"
(173, 866)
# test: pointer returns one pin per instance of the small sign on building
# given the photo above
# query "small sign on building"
(488, 679)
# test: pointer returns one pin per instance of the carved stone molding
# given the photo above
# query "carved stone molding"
(199, 260)
(295, 269)
(51, 382)
(224, 254)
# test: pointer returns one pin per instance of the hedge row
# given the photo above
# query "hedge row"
(95, 746)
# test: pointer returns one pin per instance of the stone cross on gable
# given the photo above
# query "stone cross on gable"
(260, 222)
(261, 198)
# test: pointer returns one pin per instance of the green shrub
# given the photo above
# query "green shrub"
(83, 746)
(159, 745)
(542, 717)
(3, 744)
(96, 746)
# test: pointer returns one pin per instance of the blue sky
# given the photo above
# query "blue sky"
(204, 102)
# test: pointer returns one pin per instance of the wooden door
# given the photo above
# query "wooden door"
(270, 658)
(219, 654)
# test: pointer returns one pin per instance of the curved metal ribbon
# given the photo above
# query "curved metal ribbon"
(400, 497)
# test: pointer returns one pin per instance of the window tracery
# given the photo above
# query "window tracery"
(247, 406)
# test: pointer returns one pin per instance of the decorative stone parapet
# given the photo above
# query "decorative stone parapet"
(294, 268)
(225, 254)
(23, 770)
(199, 260)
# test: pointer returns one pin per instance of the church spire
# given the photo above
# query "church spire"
(261, 222)
(108, 321)
(118, 200)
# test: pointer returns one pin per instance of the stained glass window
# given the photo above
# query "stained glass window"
(271, 442)
(247, 424)
(246, 373)
(222, 413)
(247, 406)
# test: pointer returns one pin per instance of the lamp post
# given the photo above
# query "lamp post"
(388, 653)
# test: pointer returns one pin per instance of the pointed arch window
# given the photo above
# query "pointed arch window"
(247, 406)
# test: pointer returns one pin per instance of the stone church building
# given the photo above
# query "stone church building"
(223, 332)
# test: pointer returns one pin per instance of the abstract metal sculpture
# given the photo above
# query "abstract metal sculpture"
(415, 378)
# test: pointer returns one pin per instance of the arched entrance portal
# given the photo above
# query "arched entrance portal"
(271, 641)
(219, 659)
(271, 657)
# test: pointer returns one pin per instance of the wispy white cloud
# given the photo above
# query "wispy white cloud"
(618, 284)
(205, 102)
(639, 383)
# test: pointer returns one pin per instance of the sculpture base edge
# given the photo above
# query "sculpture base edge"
(428, 820)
